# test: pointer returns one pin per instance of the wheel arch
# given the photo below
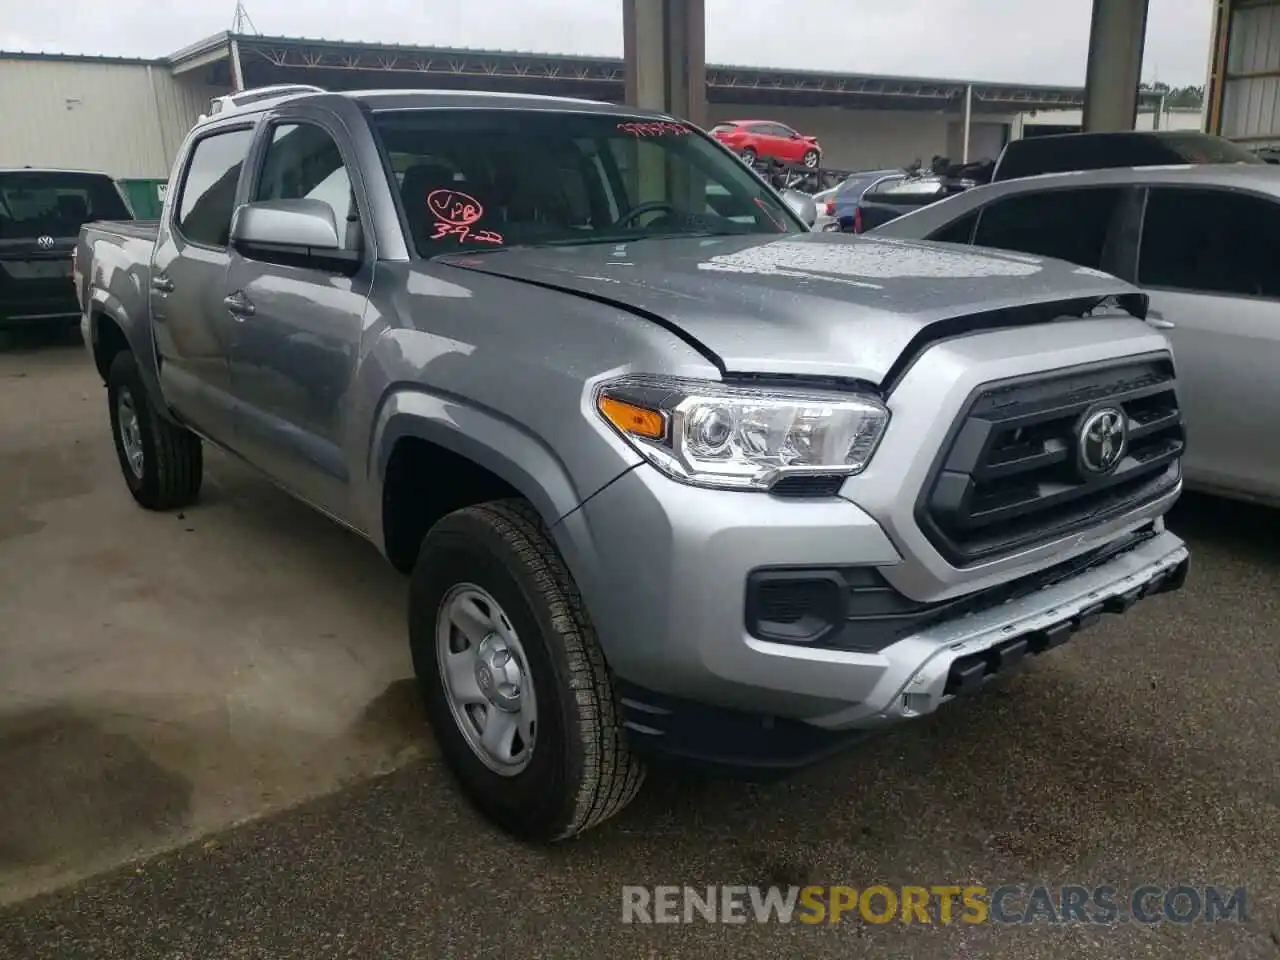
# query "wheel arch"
(468, 447)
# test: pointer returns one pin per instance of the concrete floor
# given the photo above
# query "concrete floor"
(165, 676)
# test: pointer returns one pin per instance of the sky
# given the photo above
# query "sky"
(1027, 41)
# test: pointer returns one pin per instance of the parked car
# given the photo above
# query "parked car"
(752, 139)
(1060, 153)
(41, 212)
(1064, 152)
(635, 449)
(841, 202)
(899, 198)
(1195, 238)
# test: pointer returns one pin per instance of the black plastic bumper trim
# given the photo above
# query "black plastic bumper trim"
(971, 672)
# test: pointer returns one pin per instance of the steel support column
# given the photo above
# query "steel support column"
(1116, 40)
(665, 51)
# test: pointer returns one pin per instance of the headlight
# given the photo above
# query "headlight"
(743, 438)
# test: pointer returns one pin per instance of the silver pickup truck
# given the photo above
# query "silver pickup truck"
(673, 475)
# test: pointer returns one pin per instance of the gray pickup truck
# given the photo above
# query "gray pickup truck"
(674, 476)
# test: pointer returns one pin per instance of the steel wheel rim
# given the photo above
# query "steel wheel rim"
(130, 432)
(486, 679)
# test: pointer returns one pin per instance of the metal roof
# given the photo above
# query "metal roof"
(602, 77)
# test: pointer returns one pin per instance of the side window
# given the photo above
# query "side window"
(880, 186)
(209, 187)
(957, 231)
(303, 162)
(1212, 241)
(1070, 225)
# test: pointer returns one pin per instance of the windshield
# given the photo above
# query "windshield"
(36, 203)
(486, 179)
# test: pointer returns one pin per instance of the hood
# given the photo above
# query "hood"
(810, 304)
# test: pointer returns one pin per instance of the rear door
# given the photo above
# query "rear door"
(770, 142)
(1209, 262)
(41, 213)
(193, 329)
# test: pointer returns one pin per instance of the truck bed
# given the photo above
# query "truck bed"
(133, 229)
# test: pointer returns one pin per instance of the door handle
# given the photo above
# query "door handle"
(161, 284)
(1159, 322)
(239, 305)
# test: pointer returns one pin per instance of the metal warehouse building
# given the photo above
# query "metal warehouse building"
(127, 117)
(1243, 94)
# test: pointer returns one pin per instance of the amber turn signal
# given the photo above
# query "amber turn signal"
(637, 421)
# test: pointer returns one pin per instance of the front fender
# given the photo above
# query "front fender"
(496, 443)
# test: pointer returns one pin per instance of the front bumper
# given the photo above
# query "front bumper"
(664, 567)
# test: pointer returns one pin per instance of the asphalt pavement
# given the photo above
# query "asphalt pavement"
(1144, 752)
(164, 678)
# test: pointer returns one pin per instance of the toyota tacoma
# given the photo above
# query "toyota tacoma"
(672, 475)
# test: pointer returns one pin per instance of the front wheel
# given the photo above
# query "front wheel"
(749, 156)
(514, 679)
(162, 463)
(811, 159)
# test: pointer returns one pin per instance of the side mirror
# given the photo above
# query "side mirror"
(294, 233)
(803, 206)
(301, 225)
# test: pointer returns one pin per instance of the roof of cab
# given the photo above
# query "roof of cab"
(443, 99)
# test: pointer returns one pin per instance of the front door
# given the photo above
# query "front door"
(188, 275)
(298, 331)
(1209, 262)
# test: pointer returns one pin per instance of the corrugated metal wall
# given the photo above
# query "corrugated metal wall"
(1250, 87)
(125, 119)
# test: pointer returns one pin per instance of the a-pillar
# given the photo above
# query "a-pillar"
(1116, 40)
(665, 52)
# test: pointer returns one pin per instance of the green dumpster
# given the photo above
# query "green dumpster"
(146, 197)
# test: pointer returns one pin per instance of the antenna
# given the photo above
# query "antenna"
(241, 20)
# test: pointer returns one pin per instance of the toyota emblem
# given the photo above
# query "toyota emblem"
(1103, 440)
(45, 243)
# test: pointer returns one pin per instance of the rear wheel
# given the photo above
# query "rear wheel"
(811, 159)
(749, 156)
(162, 463)
(515, 682)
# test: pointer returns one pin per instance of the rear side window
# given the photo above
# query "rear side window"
(35, 203)
(1070, 225)
(209, 187)
(723, 128)
(1210, 241)
(883, 186)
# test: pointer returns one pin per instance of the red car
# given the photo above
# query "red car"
(768, 138)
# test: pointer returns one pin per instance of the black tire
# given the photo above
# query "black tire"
(172, 457)
(749, 156)
(811, 159)
(581, 770)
